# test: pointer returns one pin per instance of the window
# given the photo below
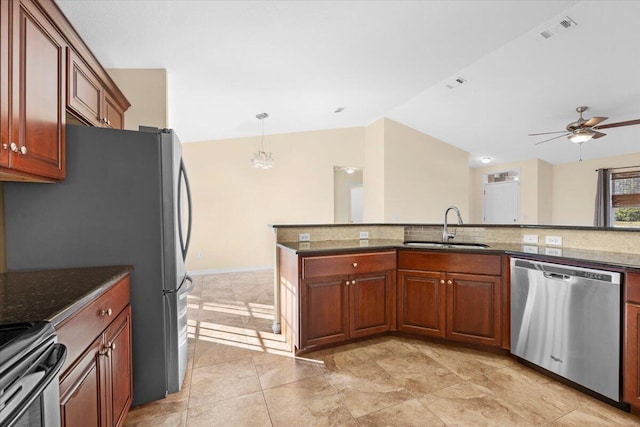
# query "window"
(625, 198)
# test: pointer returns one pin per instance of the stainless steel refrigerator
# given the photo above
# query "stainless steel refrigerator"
(125, 200)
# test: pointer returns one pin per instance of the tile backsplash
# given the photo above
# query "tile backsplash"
(602, 240)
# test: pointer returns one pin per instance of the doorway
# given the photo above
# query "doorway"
(501, 201)
(347, 195)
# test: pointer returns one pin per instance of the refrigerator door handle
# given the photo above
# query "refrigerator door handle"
(186, 278)
(184, 243)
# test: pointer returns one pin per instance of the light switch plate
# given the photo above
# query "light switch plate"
(553, 240)
(529, 249)
(304, 237)
(364, 234)
(530, 238)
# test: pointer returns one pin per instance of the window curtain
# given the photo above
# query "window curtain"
(601, 216)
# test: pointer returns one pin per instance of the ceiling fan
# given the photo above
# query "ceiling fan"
(582, 130)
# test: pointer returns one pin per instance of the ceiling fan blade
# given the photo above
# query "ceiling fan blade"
(598, 134)
(547, 133)
(594, 121)
(615, 125)
(555, 137)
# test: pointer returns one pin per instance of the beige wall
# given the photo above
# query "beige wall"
(574, 188)
(373, 174)
(234, 203)
(422, 175)
(535, 190)
(146, 90)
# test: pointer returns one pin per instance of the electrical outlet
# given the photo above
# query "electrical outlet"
(553, 240)
(553, 251)
(528, 249)
(304, 237)
(364, 234)
(304, 245)
(364, 243)
(530, 238)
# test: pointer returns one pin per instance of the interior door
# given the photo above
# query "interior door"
(501, 203)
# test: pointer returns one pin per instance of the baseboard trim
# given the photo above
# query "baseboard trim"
(228, 270)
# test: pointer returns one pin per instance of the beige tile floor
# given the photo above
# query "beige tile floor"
(240, 374)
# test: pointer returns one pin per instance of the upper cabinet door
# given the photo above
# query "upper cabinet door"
(113, 114)
(37, 143)
(5, 12)
(84, 91)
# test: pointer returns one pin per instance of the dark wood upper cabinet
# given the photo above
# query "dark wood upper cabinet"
(46, 71)
(33, 133)
(87, 98)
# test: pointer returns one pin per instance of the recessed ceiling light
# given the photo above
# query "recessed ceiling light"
(486, 159)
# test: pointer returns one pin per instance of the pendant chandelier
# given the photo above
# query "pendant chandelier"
(262, 159)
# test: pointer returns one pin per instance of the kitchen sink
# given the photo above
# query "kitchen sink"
(450, 245)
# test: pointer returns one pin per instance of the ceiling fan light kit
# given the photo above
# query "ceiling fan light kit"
(581, 136)
(583, 130)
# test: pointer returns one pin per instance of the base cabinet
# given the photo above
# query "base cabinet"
(340, 308)
(447, 304)
(95, 384)
(355, 297)
(631, 337)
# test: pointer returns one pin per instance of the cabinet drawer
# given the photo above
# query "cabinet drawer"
(450, 262)
(334, 265)
(81, 329)
(632, 288)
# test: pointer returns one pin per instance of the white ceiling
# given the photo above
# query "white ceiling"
(300, 60)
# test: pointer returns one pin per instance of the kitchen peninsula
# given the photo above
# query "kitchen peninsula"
(337, 287)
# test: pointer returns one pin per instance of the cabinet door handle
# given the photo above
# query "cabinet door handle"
(353, 282)
(23, 150)
(109, 122)
(449, 282)
(442, 281)
(14, 147)
(355, 264)
(5, 147)
(107, 312)
(348, 283)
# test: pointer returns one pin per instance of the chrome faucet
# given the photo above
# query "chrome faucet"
(445, 231)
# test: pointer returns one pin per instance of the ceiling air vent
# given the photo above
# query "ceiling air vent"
(456, 82)
(565, 24)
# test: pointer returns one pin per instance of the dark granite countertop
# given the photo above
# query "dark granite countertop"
(557, 254)
(53, 295)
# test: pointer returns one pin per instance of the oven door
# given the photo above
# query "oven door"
(29, 390)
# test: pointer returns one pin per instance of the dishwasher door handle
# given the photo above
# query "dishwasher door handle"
(557, 276)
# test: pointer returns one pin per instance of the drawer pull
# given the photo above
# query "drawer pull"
(107, 312)
(355, 264)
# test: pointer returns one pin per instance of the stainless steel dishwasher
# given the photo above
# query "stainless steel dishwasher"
(567, 320)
